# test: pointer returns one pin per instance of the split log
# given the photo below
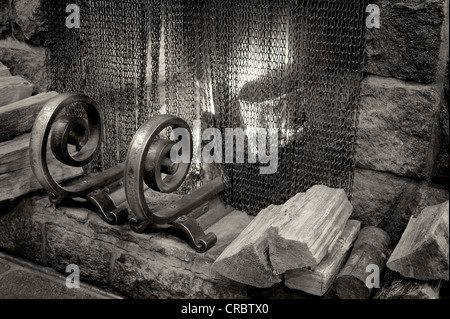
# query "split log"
(18, 117)
(395, 286)
(227, 229)
(422, 252)
(16, 176)
(317, 280)
(246, 259)
(306, 227)
(4, 70)
(370, 249)
(290, 236)
(14, 88)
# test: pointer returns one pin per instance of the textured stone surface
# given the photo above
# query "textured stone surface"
(376, 196)
(4, 70)
(4, 267)
(29, 18)
(407, 44)
(441, 173)
(413, 201)
(422, 252)
(26, 61)
(18, 118)
(13, 89)
(395, 128)
(5, 26)
(21, 232)
(150, 265)
(146, 278)
(81, 215)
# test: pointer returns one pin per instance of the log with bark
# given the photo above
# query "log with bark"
(317, 280)
(422, 252)
(368, 258)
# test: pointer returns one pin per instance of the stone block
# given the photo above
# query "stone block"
(408, 42)
(395, 126)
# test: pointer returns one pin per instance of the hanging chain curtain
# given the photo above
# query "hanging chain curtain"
(291, 66)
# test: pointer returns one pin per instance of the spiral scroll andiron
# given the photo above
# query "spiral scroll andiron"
(53, 126)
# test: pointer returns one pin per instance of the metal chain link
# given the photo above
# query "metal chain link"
(290, 65)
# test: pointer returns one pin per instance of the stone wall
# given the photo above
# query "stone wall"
(22, 40)
(402, 157)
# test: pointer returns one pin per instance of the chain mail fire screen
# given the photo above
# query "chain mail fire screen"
(293, 66)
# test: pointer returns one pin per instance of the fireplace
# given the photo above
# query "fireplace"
(292, 68)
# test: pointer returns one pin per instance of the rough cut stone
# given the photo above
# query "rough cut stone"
(4, 70)
(18, 118)
(5, 26)
(21, 233)
(441, 170)
(376, 195)
(13, 89)
(407, 44)
(25, 61)
(30, 21)
(16, 176)
(395, 128)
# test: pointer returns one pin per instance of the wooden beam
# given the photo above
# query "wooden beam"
(16, 176)
(370, 249)
(14, 88)
(395, 286)
(422, 252)
(18, 117)
(317, 280)
(306, 227)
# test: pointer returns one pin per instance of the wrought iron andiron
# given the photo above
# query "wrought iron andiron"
(146, 156)
(105, 189)
(121, 188)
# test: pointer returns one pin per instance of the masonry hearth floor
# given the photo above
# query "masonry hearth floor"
(21, 279)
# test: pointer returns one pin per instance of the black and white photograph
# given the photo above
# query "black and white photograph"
(224, 158)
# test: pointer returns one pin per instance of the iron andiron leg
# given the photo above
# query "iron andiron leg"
(86, 135)
(145, 159)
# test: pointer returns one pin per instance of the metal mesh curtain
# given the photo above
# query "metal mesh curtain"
(291, 66)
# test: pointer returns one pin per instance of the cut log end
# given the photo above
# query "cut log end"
(423, 252)
(317, 280)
